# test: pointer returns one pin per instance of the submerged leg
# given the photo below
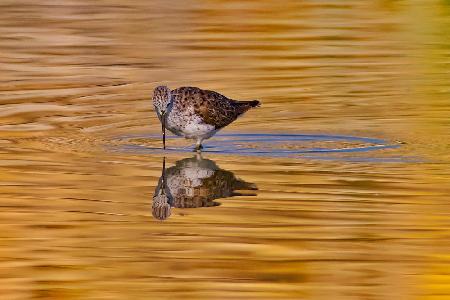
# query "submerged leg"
(198, 156)
(198, 146)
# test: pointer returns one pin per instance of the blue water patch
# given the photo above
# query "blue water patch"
(270, 145)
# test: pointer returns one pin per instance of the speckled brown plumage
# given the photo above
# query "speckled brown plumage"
(213, 108)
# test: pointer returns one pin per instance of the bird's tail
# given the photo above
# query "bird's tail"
(252, 103)
(243, 106)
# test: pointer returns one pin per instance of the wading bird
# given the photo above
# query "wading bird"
(195, 113)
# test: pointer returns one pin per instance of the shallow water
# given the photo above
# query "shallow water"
(337, 187)
(269, 145)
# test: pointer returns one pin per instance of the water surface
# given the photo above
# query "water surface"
(337, 187)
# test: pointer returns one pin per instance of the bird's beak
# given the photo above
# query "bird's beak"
(163, 123)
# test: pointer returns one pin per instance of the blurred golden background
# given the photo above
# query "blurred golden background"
(76, 220)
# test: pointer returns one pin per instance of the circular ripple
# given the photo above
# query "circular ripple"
(270, 145)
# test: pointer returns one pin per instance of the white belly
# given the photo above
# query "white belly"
(191, 127)
(197, 129)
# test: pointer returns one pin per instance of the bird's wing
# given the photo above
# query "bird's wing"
(213, 108)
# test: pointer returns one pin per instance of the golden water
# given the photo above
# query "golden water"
(76, 216)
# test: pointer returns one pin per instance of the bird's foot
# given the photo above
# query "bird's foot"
(198, 148)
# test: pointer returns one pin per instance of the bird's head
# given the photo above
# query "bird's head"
(161, 100)
(162, 103)
(161, 207)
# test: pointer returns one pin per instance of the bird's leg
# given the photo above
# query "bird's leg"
(198, 156)
(198, 146)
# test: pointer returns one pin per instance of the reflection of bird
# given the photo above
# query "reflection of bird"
(195, 113)
(194, 182)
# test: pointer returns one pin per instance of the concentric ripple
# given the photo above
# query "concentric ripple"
(267, 145)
